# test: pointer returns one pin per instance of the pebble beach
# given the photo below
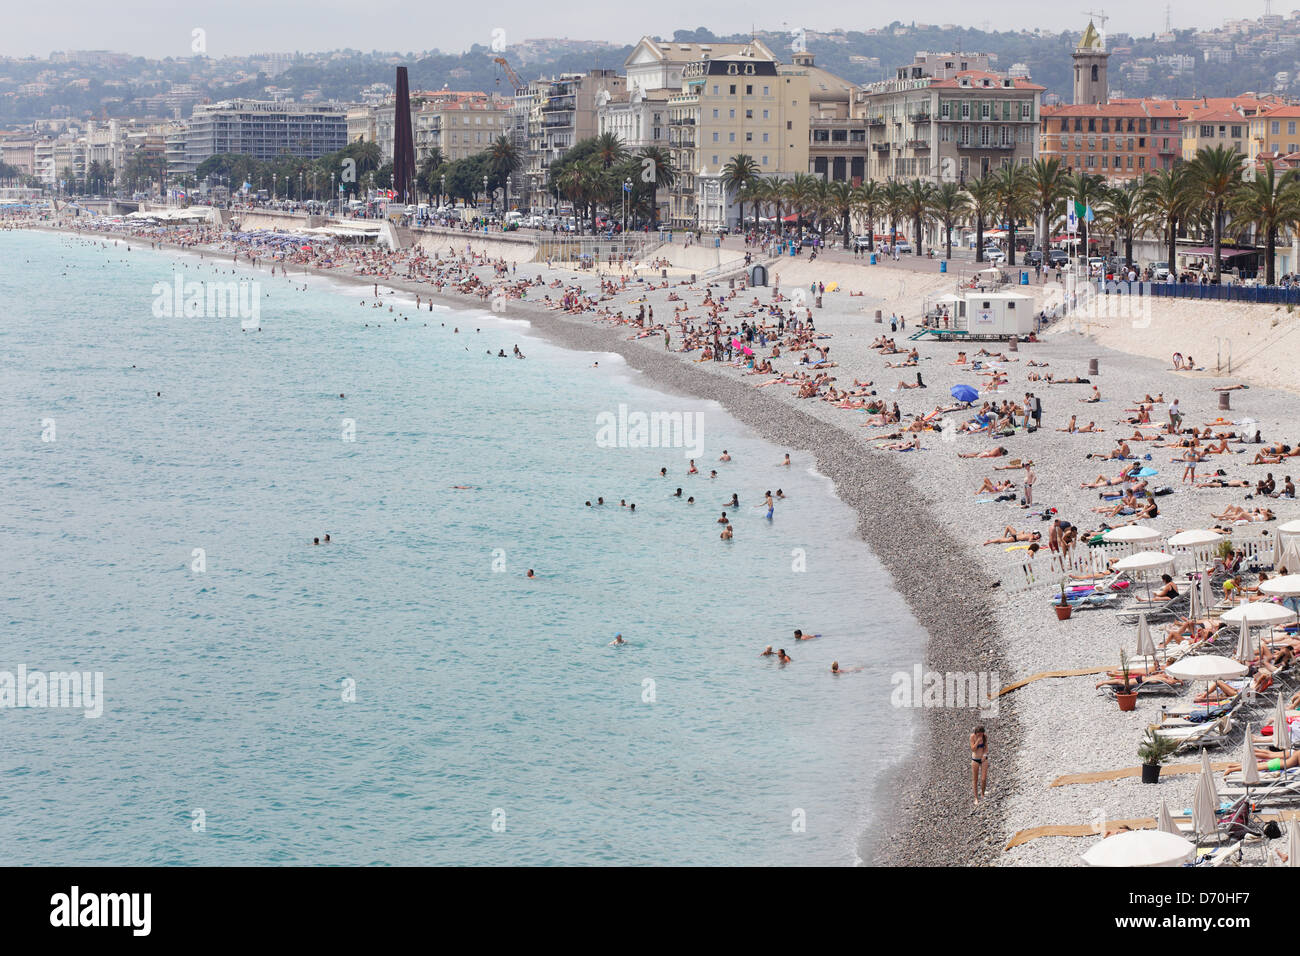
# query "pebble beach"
(920, 513)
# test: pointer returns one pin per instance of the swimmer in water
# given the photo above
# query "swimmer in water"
(723, 519)
(787, 460)
(692, 470)
(663, 472)
(724, 456)
(735, 500)
(726, 533)
(713, 474)
(327, 538)
(678, 493)
(600, 501)
(632, 506)
(801, 636)
(783, 657)
(780, 494)
(617, 641)
(768, 652)
(690, 500)
(588, 504)
(315, 540)
(531, 575)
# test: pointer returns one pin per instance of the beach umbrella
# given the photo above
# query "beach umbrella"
(1145, 646)
(1207, 594)
(1209, 668)
(1140, 848)
(1245, 651)
(1289, 527)
(1249, 765)
(1291, 554)
(1191, 539)
(1193, 602)
(1281, 729)
(1207, 780)
(1203, 819)
(1257, 612)
(1132, 533)
(1164, 822)
(1144, 562)
(1287, 586)
(964, 393)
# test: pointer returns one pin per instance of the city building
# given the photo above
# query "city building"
(743, 103)
(459, 124)
(955, 127)
(262, 130)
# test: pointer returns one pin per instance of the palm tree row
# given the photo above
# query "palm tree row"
(1213, 194)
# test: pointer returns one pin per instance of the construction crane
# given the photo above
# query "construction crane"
(510, 74)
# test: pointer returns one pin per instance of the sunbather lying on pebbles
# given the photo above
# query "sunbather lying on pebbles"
(989, 488)
(991, 453)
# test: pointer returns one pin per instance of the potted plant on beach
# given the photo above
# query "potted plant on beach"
(1127, 699)
(1154, 751)
(1063, 608)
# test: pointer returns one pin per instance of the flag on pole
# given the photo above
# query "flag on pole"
(1071, 220)
(1083, 211)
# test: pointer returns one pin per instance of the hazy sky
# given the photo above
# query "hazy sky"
(161, 28)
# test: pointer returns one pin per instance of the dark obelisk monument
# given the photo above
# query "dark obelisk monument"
(403, 141)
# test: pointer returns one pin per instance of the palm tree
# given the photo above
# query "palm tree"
(1086, 191)
(741, 170)
(609, 149)
(504, 159)
(984, 202)
(839, 203)
(1121, 213)
(867, 198)
(1013, 200)
(1268, 203)
(893, 206)
(1165, 200)
(1215, 175)
(949, 203)
(916, 200)
(1048, 184)
(659, 165)
(801, 192)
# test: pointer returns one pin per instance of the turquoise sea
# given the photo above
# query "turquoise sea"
(405, 694)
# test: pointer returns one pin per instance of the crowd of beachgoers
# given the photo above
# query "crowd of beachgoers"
(1048, 472)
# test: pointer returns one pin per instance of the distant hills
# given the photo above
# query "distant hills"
(32, 90)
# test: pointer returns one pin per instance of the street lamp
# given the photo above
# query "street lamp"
(331, 188)
(486, 193)
(508, 180)
(442, 190)
(627, 195)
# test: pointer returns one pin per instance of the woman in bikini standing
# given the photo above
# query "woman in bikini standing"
(979, 762)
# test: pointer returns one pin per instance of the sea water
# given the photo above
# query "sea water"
(405, 694)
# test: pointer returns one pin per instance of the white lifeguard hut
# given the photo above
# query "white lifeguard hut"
(977, 314)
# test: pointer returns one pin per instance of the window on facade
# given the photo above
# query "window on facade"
(1236, 132)
(1290, 128)
(1207, 132)
(1142, 162)
(731, 137)
(733, 89)
(1105, 124)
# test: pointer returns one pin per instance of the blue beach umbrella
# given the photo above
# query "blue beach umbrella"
(965, 393)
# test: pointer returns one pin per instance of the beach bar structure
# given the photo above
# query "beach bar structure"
(975, 314)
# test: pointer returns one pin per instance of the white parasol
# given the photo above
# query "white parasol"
(1249, 763)
(1164, 822)
(1145, 562)
(1140, 848)
(1145, 646)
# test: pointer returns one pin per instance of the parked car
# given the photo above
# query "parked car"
(903, 246)
(861, 243)
(1160, 271)
(993, 254)
(1057, 257)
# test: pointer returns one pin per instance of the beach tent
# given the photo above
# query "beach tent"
(1164, 822)
(1145, 646)
(1140, 848)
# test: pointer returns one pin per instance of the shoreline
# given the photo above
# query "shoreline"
(919, 819)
